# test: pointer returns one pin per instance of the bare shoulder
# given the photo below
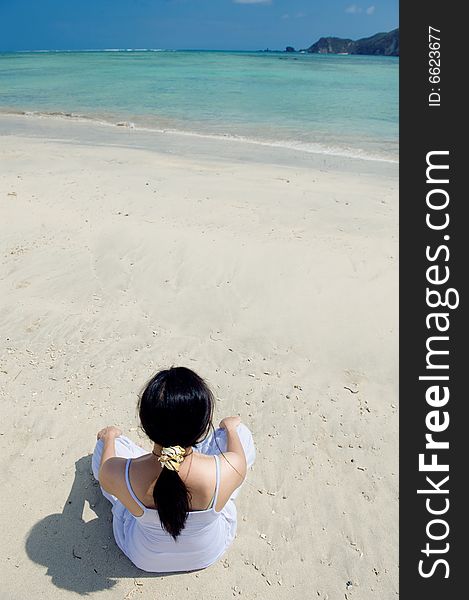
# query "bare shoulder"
(203, 469)
(112, 475)
(233, 466)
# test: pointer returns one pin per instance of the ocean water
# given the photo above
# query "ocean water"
(345, 105)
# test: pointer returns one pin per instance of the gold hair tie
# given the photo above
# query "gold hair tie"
(171, 457)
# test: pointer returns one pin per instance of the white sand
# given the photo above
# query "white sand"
(274, 277)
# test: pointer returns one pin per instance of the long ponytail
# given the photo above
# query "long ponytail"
(175, 408)
(172, 500)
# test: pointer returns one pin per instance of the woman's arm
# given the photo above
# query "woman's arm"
(105, 476)
(235, 451)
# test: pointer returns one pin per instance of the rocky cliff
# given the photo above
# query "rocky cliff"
(385, 44)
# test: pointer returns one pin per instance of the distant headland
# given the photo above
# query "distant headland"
(381, 44)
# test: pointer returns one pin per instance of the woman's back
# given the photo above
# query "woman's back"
(205, 536)
(198, 472)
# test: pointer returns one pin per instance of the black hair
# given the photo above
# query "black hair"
(175, 408)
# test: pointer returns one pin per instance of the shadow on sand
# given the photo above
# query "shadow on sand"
(80, 555)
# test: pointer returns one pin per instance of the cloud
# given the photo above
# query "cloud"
(298, 15)
(252, 1)
(354, 9)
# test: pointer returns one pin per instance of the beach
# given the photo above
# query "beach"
(271, 272)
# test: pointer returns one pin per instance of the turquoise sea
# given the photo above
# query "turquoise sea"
(317, 103)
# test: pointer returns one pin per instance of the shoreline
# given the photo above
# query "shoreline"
(316, 150)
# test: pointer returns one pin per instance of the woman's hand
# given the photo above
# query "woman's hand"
(230, 423)
(110, 431)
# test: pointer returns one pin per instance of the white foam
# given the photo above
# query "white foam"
(299, 146)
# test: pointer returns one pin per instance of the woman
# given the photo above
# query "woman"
(173, 509)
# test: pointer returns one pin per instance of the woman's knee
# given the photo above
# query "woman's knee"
(96, 458)
(245, 433)
(247, 441)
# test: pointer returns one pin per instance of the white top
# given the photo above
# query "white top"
(205, 537)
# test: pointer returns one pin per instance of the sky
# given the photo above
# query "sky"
(187, 24)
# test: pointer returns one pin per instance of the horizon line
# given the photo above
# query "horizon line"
(144, 50)
(157, 50)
